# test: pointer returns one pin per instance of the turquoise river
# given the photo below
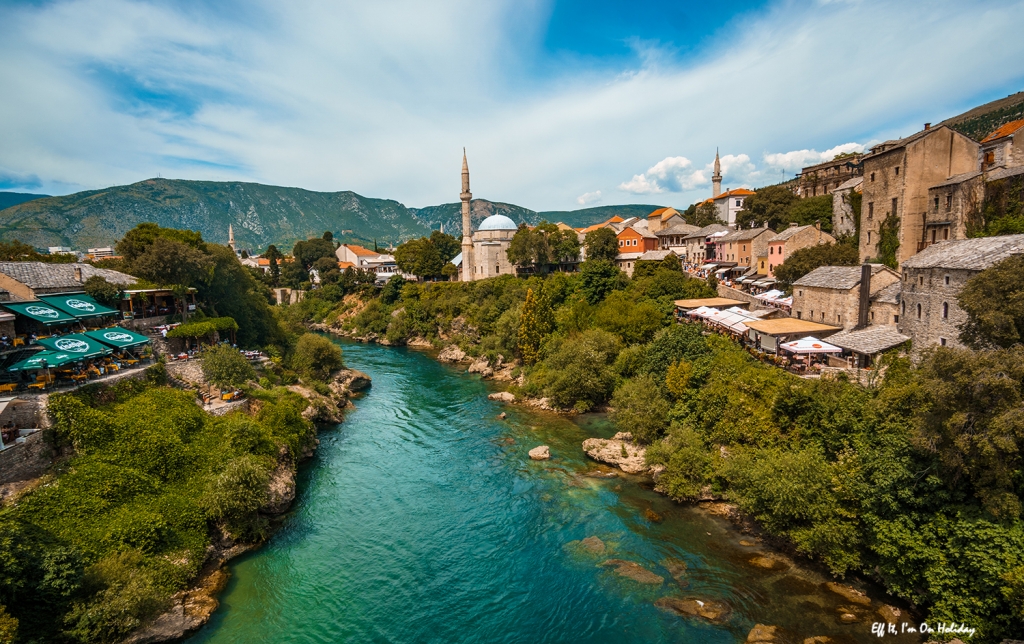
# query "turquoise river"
(421, 519)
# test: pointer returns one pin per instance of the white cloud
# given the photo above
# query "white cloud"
(796, 159)
(588, 198)
(380, 97)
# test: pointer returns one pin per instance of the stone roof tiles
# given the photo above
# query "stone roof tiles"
(677, 229)
(958, 178)
(42, 275)
(837, 277)
(890, 294)
(869, 341)
(789, 233)
(967, 254)
(850, 183)
(745, 234)
(1003, 173)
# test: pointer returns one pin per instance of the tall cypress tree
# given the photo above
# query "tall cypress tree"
(528, 338)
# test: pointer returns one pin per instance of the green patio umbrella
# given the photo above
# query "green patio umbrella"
(79, 305)
(117, 337)
(41, 312)
(76, 344)
(51, 358)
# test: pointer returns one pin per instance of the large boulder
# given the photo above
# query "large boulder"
(848, 593)
(634, 571)
(451, 354)
(503, 396)
(620, 451)
(281, 488)
(482, 367)
(541, 453)
(761, 633)
(711, 610)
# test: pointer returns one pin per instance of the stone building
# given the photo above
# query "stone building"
(636, 239)
(744, 246)
(24, 281)
(729, 204)
(1004, 148)
(673, 237)
(695, 243)
(664, 218)
(933, 279)
(840, 296)
(950, 205)
(792, 239)
(897, 177)
(844, 220)
(823, 178)
(484, 252)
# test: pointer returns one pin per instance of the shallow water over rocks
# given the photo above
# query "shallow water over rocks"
(423, 519)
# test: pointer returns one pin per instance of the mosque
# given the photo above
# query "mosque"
(484, 251)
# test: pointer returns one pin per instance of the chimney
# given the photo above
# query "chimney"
(78, 273)
(865, 296)
(927, 126)
(817, 227)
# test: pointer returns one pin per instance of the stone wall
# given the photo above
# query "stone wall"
(843, 220)
(23, 461)
(931, 288)
(733, 294)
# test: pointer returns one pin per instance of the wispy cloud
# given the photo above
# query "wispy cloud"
(381, 97)
(589, 198)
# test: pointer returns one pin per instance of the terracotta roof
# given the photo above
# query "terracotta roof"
(643, 232)
(262, 261)
(869, 341)
(614, 220)
(735, 192)
(968, 254)
(842, 278)
(344, 265)
(664, 213)
(1004, 130)
(788, 326)
(359, 250)
(710, 302)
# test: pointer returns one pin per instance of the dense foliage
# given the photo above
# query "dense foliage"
(1002, 210)
(129, 520)
(226, 367)
(15, 251)
(315, 357)
(778, 207)
(204, 328)
(994, 303)
(542, 246)
(427, 257)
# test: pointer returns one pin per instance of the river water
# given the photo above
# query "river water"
(422, 519)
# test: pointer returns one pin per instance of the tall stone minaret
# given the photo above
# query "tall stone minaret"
(716, 178)
(231, 237)
(467, 225)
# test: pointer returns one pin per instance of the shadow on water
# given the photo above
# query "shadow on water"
(422, 519)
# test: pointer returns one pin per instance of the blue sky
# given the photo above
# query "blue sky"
(560, 104)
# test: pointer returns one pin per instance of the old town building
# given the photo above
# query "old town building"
(1004, 148)
(840, 296)
(729, 204)
(844, 219)
(484, 252)
(744, 246)
(695, 244)
(897, 178)
(787, 242)
(932, 281)
(823, 178)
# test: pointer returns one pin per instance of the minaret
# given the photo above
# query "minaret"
(467, 226)
(716, 178)
(231, 237)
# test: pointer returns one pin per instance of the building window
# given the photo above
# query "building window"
(800, 293)
(936, 204)
(811, 314)
(945, 310)
(871, 209)
(918, 311)
(946, 279)
(894, 206)
(822, 316)
(897, 171)
(920, 280)
(945, 233)
(869, 236)
(872, 316)
(872, 176)
(839, 319)
(949, 202)
(771, 250)
(990, 157)
(895, 318)
(799, 314)
(904, 307)
(942, 342)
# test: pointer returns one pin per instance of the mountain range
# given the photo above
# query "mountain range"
(260, 214)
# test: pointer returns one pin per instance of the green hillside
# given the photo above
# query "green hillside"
(260, 214)
(8, 199)
(981, 121)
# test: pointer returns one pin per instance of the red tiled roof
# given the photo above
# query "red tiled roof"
(735, 192)
(359, 250)
(614, 220)
(344, 265)
(1005, 130)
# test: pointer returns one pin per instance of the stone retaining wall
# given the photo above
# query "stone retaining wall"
(23, 461)
(733, 294)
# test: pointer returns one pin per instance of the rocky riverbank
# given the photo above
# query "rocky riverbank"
(190, 609)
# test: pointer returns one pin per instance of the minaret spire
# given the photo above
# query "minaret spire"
(231, 237)
(467, 226)
(716, 178)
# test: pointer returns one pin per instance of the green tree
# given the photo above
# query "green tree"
(769, 205)
(328, 236)
(307, 252)
(529, 247)
(807, 259)
(138, 240)
(994, 302)
(226, 367)
(419, 257)
(602, 245)
(316, 357)
(233, 292)
(704, 214)
(806, 212)
(16, 251)
(392, 290)
(565, 246)
(639, 408)
(447, 245)
(529, 335)
(168, 261)
(99, 289)
(634, 322)
(8, 627)
(598, 278)
(889, 241)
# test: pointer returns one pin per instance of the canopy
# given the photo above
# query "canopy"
(40, 312)
(708, 266)
(77, 344)
(52, 359)
(80, 305)
(769, 295)
(117, 337)
(810, 344)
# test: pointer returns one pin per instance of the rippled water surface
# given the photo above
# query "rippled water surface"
(422, 519)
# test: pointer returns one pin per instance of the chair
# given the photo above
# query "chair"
(38, 385)
(19, 342)
(9, 386)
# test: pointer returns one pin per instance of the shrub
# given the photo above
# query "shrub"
(316, 357)
(639, 408)
(226, 367)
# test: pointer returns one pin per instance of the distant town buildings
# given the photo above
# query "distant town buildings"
(484, 252)
(824, 178)
(792, 239)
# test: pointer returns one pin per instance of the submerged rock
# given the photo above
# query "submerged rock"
(592, 544)
(677, 568)
(710, 610)
(503, 396)
(848, 593)
(502, 415)
(541, 453)
(762, 633)
(634, 571)
(601, 474)
(620, 451)
(890, 614)
(818, 639)
(653, 516)
(769, 561)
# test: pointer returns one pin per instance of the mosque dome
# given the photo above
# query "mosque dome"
(498, 222)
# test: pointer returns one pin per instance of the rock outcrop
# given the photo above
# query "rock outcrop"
(482, 367)
(451, 354)
(849, 594)
(541, 453)
(620, 451)
(281, 489)
(710, 610)
(503, 396)
(762, 633)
